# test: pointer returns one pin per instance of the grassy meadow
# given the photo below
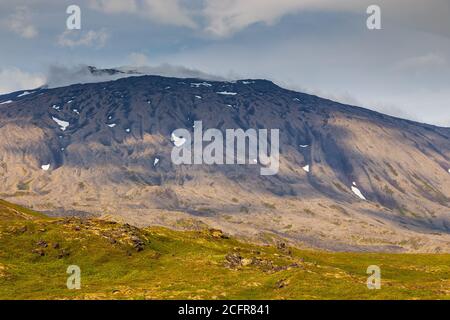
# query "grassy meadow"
(119, 261)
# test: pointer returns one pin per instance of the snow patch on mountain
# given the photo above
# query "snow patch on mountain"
(227, 93)
(25, 93)
(357, 192)
(199, 84)
(178, 141)
(62, 124)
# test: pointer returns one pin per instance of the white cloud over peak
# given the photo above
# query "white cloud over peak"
(20, 23)
(58, 75)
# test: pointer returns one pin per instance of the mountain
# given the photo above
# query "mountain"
(350, 179)
(119, 261)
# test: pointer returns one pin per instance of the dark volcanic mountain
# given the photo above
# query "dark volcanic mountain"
(91, 149)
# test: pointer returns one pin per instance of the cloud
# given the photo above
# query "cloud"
(427, 61)
(444, 123)
(59, 76)
(225, 17)
(115, 6)
(168, 12)
(218, 17)
(170, 70)
(394, 110)
(138, 59)
(20, 23)
(75, 38)
(14, 79)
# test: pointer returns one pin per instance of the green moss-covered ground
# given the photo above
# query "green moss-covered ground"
(122, 262)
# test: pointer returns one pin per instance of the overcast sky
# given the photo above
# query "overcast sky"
(316, 46)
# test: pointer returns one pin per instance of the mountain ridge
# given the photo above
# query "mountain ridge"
(131, 73)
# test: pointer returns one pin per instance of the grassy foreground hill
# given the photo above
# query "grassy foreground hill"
(119, 261)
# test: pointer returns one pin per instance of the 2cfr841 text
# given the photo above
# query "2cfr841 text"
(245, 309)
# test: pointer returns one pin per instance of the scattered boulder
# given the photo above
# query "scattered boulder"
(63, 253)
(39, 252)
(264, 264)
(246, 262)
(42, 243)
(2, 271)
(233, 260)
(217, 234)
(282, 247)
(138, 244)
(282, 283)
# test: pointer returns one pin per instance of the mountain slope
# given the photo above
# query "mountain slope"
(119, 261)
(100, 141)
